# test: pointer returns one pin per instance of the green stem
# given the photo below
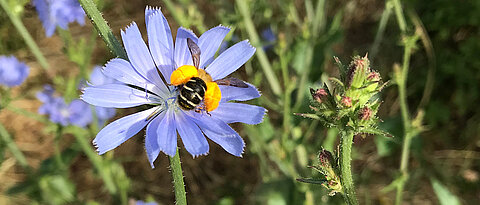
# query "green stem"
(346, 167)
(58, 153)
(381, 29)
(254, 39)
(407, 129)
(177, 175)
(82, 139)
(400, 17)
(12, 146)
(103, 29)
(317, 26)
(16, 21)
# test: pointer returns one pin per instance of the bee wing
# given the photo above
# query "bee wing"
(195, 51)
(232, 82)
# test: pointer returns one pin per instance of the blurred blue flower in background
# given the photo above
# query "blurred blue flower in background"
(76, 113)
(269, 38)
(12, 71)
(60, 13)
(143, 85)
(145, 203)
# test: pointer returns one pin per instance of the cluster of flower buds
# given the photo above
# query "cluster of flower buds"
(351, 101)
(328, 167)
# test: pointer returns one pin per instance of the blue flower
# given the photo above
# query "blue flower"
(143, 85)
(139, 202)
(269, 37)
(98, 78)
(77, 112)
(60, 13)
(12, 71)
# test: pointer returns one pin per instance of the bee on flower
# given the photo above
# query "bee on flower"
(184, 85)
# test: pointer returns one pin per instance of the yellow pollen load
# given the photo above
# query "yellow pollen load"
(183, 74)
(212, 96)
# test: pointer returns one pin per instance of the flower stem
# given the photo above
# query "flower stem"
(7, 139)
(407, 128)
(177, 175)
(346, 167)
(103, 29)
(16, 21)
(254, 39)
(82, 139)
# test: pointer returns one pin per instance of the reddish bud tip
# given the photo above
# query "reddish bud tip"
(346, 101)
(373, 76)
(319, 94)
(365, 113)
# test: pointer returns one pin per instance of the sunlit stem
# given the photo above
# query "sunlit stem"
(177, 175)
(16, 21)
(102, 27)
(255, 40)
(346, 177)
(407, 122)
(381, 29)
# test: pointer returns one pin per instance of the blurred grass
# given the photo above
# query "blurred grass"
(444, 160)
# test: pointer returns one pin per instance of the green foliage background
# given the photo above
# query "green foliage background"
(443, 84)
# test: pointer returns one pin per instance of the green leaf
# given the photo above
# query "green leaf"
(374, 131)
(444, 195)
(312, 181)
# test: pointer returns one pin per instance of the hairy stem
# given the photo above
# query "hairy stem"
(177, 175)
(16, 21)
(407, 128)
(103, 29)
(346, 167)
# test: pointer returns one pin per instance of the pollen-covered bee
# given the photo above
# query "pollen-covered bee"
(196, 85)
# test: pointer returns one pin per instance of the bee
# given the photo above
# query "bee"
(195, 85)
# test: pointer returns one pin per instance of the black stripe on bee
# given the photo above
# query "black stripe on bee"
(192, 93)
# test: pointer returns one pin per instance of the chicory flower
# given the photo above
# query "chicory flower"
(76, 113)
(12, 71)
(60, 13)
(142, 84)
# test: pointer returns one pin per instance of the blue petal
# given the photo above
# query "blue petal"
(209, 43)
(114, 95)
(167, 134)
(148, 12)
(182, 53)
(192, 136)
(139, 55)
(239, 112)
(123, 71)
(151, 144)
(80, 113)
(161, 43)
(220, 132)
(121, 130)
(238, 94)
(230, 60)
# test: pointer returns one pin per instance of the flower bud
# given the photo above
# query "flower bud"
(325, 158)
(365, 113)
(319, 95)
(357, 73)
(346, 101)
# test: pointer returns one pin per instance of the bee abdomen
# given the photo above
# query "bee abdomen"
(192, 93)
